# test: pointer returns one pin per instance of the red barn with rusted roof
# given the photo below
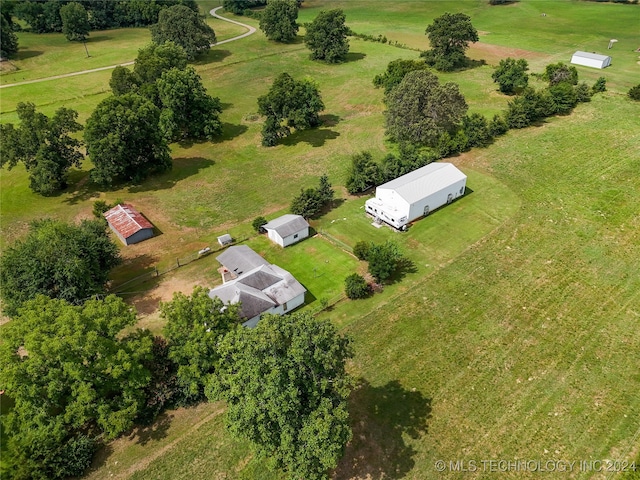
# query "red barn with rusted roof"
(128, 224)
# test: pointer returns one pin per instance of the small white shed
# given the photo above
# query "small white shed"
(287, 229)
(593, 60)
(417, 193)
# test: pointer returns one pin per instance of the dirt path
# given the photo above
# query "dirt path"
(250, 31)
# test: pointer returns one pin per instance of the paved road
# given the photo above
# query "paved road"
(250, 31)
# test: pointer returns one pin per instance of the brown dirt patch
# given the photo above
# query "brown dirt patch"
(147, 302)
(492, 54)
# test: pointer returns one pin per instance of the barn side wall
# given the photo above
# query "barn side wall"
(140, 235)
(437, 199)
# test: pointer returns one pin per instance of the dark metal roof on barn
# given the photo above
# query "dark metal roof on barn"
(126, 220)
(287, 224)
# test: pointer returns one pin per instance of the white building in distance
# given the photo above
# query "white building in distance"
(417, 193)
(593, 60)
(287, 229)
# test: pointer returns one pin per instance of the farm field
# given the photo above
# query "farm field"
(514, 336)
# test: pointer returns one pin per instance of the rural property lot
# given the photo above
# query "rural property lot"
(515, 337)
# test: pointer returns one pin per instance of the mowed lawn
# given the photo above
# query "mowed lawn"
(515, 335)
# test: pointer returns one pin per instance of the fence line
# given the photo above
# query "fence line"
(335, 241)
(179, 262)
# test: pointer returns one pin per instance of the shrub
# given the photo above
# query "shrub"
(258, 223)
(600, 85)
(361, 249)
(583, 92)
(634, 93)
(355, 286)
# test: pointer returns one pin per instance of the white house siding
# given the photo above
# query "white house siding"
(437, 199)
(275, 238)
(404, 199)
(296, 237)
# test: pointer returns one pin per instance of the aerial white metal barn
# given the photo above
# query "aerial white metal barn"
(417, 193)
(593, 60)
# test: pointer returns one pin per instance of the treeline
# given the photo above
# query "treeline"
(44, 16)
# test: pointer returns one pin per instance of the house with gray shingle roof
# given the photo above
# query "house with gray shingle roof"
(287, 229)
(257, 285)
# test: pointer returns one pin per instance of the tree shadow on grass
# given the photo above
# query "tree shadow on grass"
(404, 267)
(315, 137)
(329, 120)
(154, 432)
(380, 418)
(354, 57)
(98, 38)
(183, 167)
(214, 55)
(230, 131)
(24, 54)
(100, 458)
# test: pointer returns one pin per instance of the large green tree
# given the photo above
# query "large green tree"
(124, 141)
(278, 20)
(187, 109)
(289, 104)
(396, 70)
(75, 21)
(326, 37)
(511, 75)
(383, 260)
(184, 27)
(364, 173)
(73, 377)
(155, 59)
(59, 260)
(560, 72)
(43, 145)
(8, 39)
(420, 109)
(449, 36)
(193, 330)
(286, 389)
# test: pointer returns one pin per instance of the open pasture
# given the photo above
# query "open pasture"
(515, 338)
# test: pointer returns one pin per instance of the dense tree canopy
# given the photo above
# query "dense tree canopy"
(73, 378)
(511, 75)
(286, 388)
(43, 145)
(155, 59)
(239, 6)
(420, 109)
(44, 15)
(8, 39)
(59, 260)
(289, 104)
(193, 330)
(326, 37)
(187, 109)
(449, 36)
(124, 141)
(183, 26)
(278, 20)
(75, 21)
(396, 70)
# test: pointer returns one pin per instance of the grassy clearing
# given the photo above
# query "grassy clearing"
(50, 54)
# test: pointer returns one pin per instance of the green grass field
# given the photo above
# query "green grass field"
(515, 334)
